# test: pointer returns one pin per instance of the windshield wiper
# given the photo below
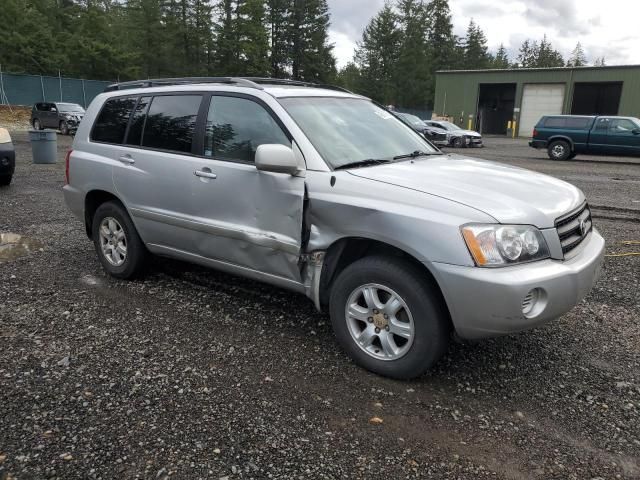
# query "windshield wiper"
(361, 163)
(416, 154)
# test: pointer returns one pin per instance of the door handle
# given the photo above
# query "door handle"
(126, 159)
(204, 174)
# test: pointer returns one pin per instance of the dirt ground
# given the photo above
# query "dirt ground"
(189, 373)
(15, 118)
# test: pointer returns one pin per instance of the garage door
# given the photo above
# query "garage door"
(539, 100)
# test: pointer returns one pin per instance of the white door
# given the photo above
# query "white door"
(539, 100)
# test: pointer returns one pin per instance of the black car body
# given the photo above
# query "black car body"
(565, 136)
(57, 115)
(434, 134)
(7, 157)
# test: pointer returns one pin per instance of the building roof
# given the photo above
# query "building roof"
(547, 69)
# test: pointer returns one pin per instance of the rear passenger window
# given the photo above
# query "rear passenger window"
(555, 122)
(112, 121)
(236, 127)
(137, 121)
(578, 123)
(171, 122)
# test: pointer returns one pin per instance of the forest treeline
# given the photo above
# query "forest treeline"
(395, 62)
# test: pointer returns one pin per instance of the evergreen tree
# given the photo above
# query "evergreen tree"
(377, 56)
(349, 77)
(476, 54)
(279, 16)
(578, 57)
(548, 57)
(599, 62)
(501, 60)
(413, 72)
(311, 54)
(443, 54)
(253, 39)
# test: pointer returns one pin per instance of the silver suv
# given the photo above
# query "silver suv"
(322, 192)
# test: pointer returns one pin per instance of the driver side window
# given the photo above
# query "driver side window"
(622, 125)
(236, 127)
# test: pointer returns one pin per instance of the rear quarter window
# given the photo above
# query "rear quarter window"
(111, 124)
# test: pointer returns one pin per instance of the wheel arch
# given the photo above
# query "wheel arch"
(92, 200)
(344, 251)
(555, 138)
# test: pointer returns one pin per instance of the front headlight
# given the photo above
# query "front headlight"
(501, 245)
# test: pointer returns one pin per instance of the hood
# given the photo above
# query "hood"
(469, 133)
(509, 194)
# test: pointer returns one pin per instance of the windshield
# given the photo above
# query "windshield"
(449, 126)
(69, 107)
(412, 119)
(348, 130)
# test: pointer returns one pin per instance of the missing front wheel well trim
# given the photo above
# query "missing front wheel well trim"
(347, 250)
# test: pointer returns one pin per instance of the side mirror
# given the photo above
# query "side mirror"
(276, 159)
(636, 131)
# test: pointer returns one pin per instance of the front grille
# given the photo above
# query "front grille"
(574, 228)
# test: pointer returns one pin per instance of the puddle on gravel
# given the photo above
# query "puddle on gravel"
(14, 246)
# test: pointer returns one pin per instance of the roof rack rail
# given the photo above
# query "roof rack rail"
(250, 82)
(161, 82)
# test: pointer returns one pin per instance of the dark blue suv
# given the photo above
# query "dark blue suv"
(564, 136)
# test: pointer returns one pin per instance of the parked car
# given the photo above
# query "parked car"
(322, 192)
(7, 157)
(458, 137)
(58, 115)
(436, 135)
(565, 136)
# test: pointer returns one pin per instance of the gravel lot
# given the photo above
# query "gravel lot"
(190, 373)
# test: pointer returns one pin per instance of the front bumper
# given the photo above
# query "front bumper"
(475, 142)
(485, 302)
(7, 159)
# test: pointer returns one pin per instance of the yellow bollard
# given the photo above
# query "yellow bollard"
(514, 129)
(509, 125)
(470, 124)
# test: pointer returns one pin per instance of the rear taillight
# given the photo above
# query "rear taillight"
(535, 133)
(66, 167)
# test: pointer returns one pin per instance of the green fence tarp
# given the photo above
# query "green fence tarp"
(17, 89)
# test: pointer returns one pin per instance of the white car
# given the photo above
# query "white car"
(457, 136)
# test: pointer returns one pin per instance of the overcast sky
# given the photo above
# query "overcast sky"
(605, 28)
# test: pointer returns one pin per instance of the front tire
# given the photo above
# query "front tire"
(559, 150)
(64, 128)
(37, 125)
(388, 317)
(118, 245)
(457, 142)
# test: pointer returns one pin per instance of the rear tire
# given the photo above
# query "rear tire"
(118, 245)
(559, 150)
(411, 332)
(5, 180)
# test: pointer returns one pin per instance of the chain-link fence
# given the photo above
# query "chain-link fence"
(25, 90)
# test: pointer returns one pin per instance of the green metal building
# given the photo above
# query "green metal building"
(491, 100)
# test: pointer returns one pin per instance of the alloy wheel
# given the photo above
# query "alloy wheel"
(113, 241)
(380, 322)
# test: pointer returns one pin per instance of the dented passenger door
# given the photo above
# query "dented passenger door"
(249, 218)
